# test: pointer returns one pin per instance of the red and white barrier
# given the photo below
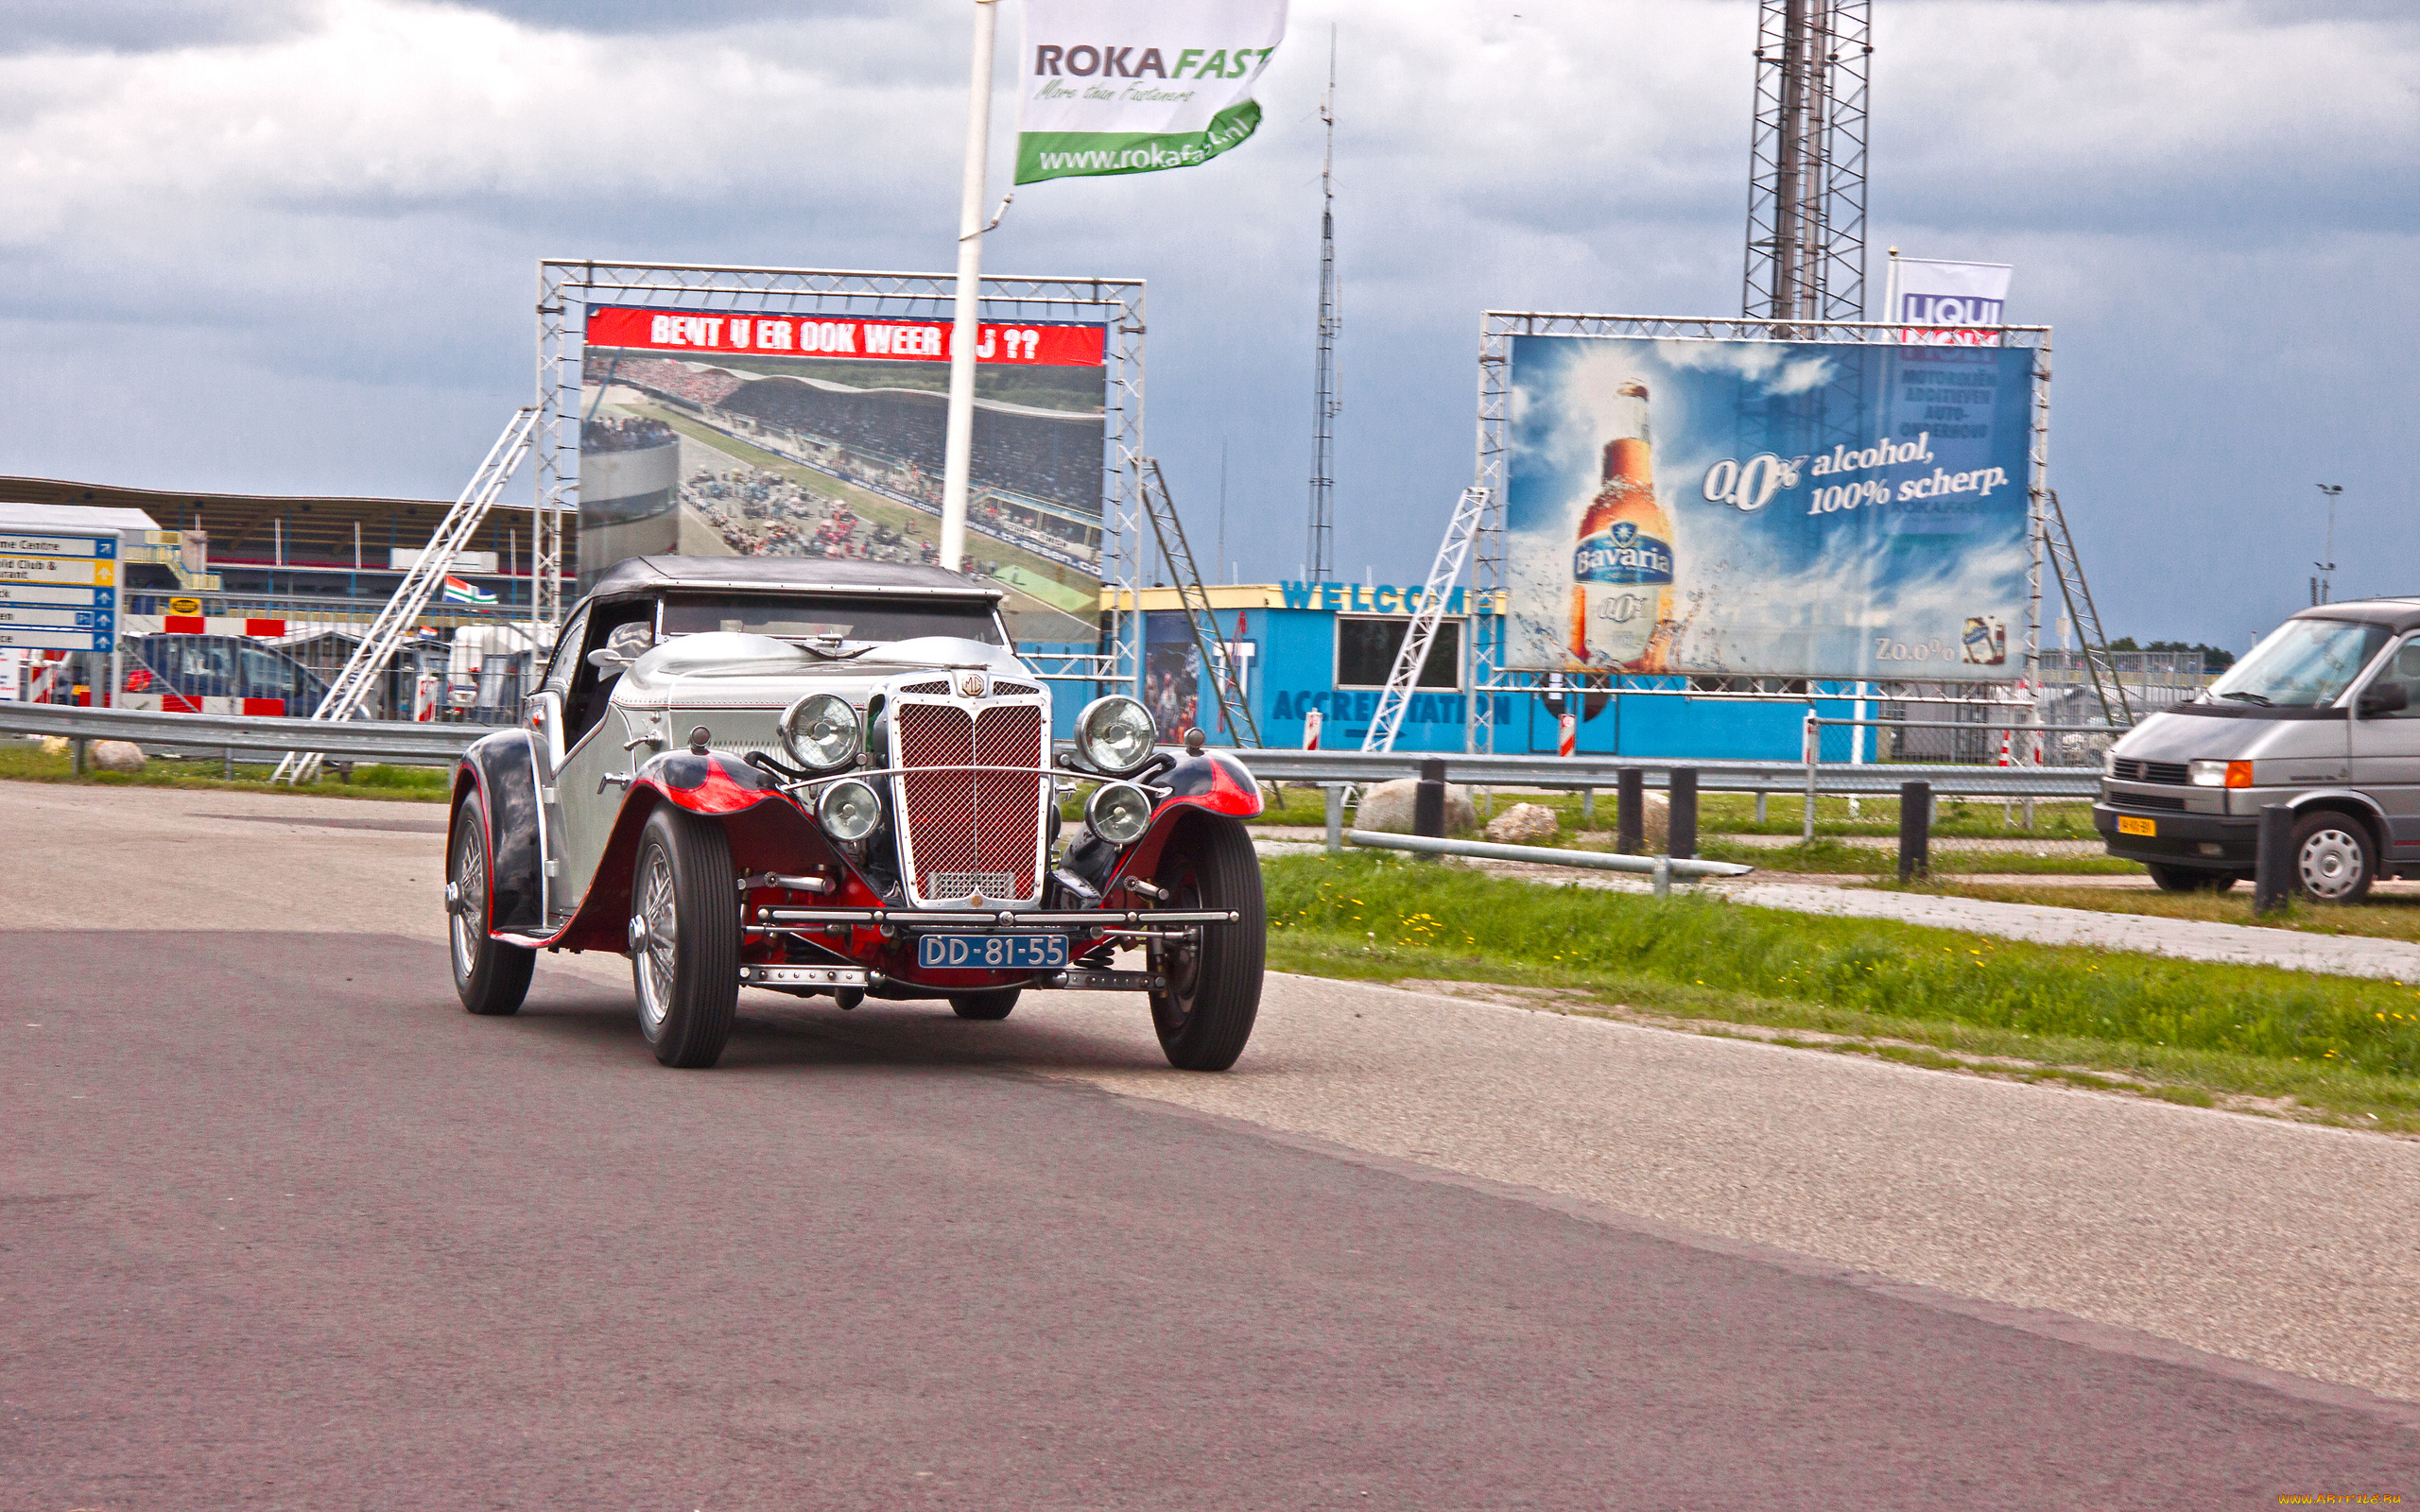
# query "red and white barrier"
(1567, 742)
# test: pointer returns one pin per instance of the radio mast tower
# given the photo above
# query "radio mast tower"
(1806, 162)
(1320, 558)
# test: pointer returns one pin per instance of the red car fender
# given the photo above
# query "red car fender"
(1210, 781)
(767, 831)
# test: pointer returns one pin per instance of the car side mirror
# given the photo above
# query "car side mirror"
(2385, 698)
(605, 659)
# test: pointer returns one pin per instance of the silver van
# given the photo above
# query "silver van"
(2324, 717)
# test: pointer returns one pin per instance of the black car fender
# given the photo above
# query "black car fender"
(504, 768)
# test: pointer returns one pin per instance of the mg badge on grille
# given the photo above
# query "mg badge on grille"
(971, 686)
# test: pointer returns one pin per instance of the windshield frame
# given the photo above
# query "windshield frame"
(2255, 683)
(834, 605)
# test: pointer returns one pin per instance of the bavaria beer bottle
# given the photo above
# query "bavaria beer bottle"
(1621, 570)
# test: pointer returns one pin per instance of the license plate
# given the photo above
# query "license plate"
(992, 953)
(2128, 824)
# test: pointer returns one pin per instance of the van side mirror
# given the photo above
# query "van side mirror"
(2384, 698)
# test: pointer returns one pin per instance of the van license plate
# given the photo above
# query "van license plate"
(992, 953)
(2128, 824)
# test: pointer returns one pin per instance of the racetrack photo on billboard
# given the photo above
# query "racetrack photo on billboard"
(1823, 509)
(737, 433)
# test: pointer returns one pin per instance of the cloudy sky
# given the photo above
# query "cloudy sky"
(287, 244)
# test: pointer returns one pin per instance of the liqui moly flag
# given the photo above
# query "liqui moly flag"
(1934, 299)
(1110, 86)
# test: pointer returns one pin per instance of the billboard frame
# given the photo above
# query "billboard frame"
(566, 287)
(1486, 647)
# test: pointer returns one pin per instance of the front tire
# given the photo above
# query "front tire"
(491, 977)
(1205, 1013)
(2334, 860)
(2187, 879)
(685, 937)
(988, 1006)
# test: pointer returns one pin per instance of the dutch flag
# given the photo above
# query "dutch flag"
(458, 591)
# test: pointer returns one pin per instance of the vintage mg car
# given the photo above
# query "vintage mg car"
(836, 777)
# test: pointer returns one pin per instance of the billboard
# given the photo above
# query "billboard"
(1767, 508)
(741, 432)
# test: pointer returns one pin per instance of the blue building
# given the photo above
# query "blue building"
(1329, 646)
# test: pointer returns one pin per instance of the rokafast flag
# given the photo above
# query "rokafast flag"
(1134, 86)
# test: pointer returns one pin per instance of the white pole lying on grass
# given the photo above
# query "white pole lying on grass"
(1599, 860)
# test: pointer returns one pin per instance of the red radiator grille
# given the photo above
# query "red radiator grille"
(968, 832)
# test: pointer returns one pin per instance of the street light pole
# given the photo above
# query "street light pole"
(958, 457)
(2326, 582)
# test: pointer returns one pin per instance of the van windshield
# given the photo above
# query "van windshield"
(2303, 664)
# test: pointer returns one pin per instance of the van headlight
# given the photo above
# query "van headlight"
(1118, 813)
(820, 732)
(2109, 764)
(1114, 735)
(2207, 774)
(849, 810)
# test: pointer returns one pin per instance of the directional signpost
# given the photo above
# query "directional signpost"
(59, 591)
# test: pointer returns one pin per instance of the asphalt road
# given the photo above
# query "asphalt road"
(280, 1226)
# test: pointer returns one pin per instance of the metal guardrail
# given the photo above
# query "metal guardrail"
(386, 739)
(1837, 779)
(439, 742)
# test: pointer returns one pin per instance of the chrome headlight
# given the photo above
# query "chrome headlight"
(2109, 764)
(1115, 734)
(1118, 813)
(849, 810)
(820, 732)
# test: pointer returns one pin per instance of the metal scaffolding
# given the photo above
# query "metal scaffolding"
(1318, 560)
(567, 287)
(1806, 162)
(1210, 642)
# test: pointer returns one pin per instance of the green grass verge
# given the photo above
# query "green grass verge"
(31, 764)
(2349, 1046)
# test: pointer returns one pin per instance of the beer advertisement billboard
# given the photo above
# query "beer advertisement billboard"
(1767, 508)
(746, 433)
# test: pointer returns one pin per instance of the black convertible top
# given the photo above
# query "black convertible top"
(789, 575)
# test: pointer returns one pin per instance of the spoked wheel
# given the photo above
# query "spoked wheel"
(998, 1003)
(1205, 1012)
(2333, 858)
(492, 977)
(685, 937)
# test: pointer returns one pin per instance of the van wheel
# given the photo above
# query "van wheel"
(2188, 879)
(2333, 858)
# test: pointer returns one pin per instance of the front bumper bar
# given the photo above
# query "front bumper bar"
(916, 921)
(1076, 978)
(2181, 837)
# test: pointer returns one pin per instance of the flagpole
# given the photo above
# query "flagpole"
(968, 295)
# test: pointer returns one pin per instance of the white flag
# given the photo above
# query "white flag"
(1121, 86)
(1927, 293)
